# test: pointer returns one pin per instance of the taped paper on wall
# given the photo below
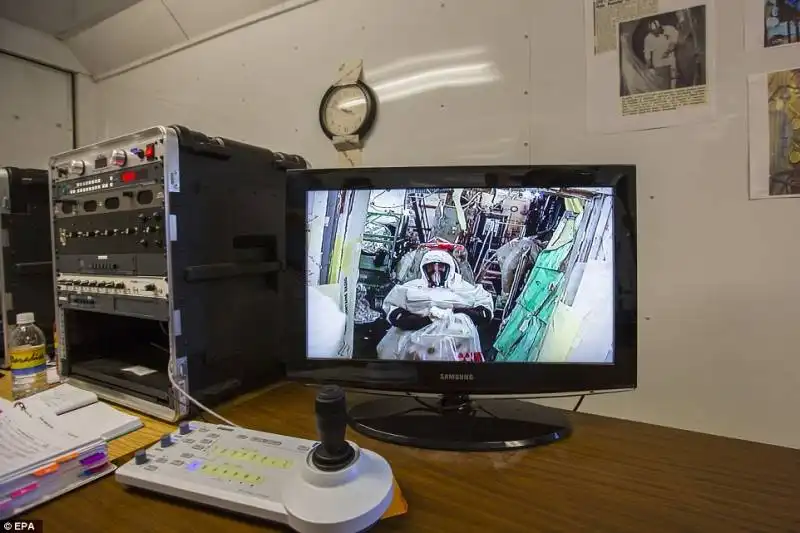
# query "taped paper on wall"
(771, 23)
(774, 122)
(660, 73)
(607, 14)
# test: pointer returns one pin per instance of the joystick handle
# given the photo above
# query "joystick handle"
(333, 452)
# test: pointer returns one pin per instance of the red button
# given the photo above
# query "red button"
(150, 152)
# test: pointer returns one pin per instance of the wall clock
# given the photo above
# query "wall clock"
(348, 109)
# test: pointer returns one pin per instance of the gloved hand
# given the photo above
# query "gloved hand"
(438, 312)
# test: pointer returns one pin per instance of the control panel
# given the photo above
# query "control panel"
(298, 482)
(237, 462)
(140, 287)
(110, 181)
(133, 153)
(109, 212)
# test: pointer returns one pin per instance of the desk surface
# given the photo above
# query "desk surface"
(611, 475)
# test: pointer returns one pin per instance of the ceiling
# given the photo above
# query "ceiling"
(105, 35)
(61, 18)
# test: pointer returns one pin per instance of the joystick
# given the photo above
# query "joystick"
(333, 452)
(341, 487)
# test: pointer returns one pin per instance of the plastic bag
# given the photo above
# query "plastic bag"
(453, 338)
(326, 325)
(364, 314)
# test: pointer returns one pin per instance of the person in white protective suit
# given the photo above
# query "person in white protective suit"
(437, 295)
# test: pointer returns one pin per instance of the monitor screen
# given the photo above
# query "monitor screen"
(503, 275)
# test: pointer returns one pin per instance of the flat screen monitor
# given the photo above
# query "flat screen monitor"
(464, 281)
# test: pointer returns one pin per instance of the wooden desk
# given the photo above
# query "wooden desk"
(611, 475)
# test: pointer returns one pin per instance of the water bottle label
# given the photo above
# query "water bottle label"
(28, 359)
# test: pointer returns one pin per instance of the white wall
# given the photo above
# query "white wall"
(503, 82)
(35, 113)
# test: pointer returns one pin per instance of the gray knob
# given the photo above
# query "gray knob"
(77, 167)
(184, 428)
(166, 440)
(140, 456)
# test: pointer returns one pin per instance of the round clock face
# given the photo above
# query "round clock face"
(346, 110)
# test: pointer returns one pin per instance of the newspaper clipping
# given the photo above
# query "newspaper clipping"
(657, 71)
(774, 121)
(608, 14)
(662, 61)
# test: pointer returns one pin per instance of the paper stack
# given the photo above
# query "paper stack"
(81, 412)
(41, 459)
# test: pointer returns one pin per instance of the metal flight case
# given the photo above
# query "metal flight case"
(167, 247)
(26, 273)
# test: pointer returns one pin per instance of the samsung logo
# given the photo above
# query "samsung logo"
(456, 377)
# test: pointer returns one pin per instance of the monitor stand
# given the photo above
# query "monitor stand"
(458, 423)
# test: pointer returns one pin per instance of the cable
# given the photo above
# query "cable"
(213, 413)
(170, 369)
(580, 401)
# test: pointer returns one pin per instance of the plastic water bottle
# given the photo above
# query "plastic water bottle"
(28, 354)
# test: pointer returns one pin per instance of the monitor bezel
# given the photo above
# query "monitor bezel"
(462, 377)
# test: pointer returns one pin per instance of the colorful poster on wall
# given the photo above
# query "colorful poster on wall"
(774, 121)
(772, 23)
(660, 71)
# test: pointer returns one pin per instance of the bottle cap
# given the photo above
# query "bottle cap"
(25, 318)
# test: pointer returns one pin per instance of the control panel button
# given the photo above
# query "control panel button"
(150, 287)
(138, 152)
(119, 158)
(143, 242)
(150, 151)
(166, 440)
(140, 456)
(119, 285)
(184, 428)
